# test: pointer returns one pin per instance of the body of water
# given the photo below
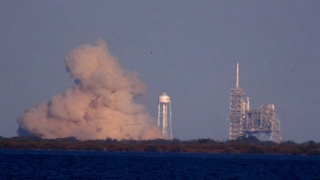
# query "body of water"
(44, 164)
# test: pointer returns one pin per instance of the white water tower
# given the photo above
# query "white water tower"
(164, 115)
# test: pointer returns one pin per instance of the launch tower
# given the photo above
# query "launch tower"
(245, 122)
(164, 115)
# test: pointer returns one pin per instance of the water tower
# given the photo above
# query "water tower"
(164, 115)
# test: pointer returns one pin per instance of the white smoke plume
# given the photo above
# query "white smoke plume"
(101, 104)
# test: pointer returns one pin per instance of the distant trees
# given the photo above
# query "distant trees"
(250, 145)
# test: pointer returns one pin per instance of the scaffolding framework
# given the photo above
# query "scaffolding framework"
(236, 128)
(245, 122)
(263, 121)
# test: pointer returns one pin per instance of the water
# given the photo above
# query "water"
(41, 164)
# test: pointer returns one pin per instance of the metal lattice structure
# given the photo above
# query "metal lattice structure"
(245, 122)
(236, 113)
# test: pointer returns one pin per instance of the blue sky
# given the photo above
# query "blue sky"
(195, 47)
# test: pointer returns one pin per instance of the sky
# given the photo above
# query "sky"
(195, 46)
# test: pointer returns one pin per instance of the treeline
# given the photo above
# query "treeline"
(243, 145)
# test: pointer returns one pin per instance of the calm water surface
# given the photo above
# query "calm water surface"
(41, 164)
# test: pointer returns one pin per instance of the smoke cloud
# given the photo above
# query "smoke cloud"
(101, 104)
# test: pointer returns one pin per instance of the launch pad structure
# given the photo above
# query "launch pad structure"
(246, 122)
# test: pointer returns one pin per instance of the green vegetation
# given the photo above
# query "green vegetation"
(243, 145)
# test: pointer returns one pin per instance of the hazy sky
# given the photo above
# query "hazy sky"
(195, 47)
